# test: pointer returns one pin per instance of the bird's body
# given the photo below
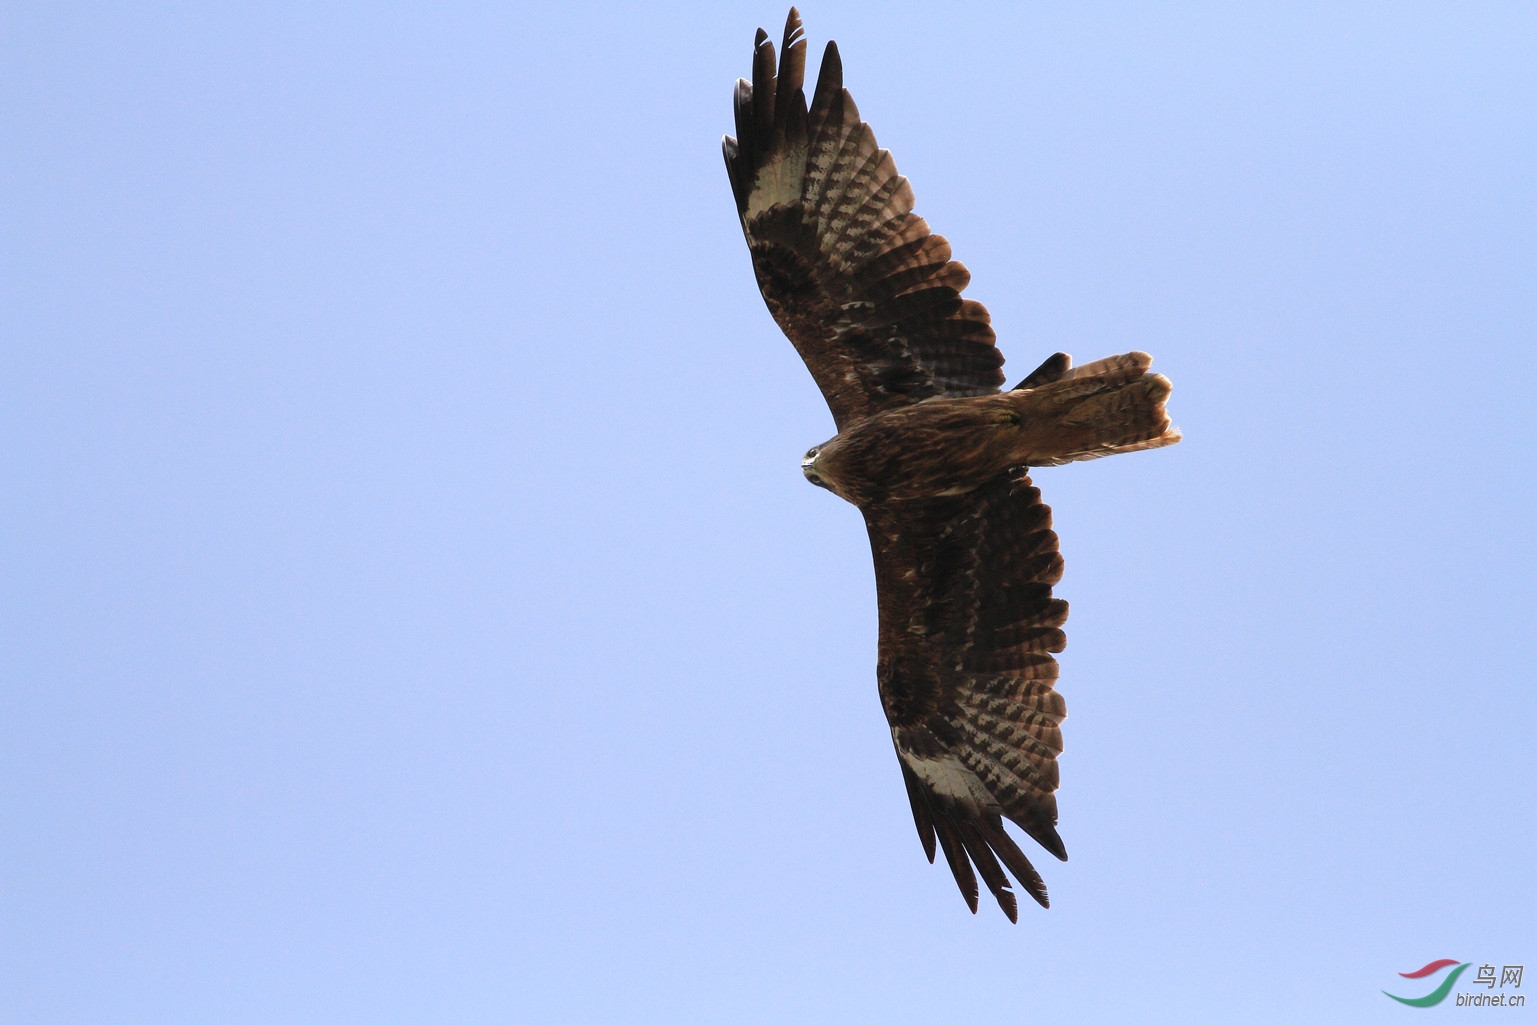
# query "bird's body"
(941, 446)
(934, 456)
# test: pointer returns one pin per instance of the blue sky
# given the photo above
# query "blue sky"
(414, 611)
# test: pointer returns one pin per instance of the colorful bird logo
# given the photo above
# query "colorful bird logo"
(1438, 994)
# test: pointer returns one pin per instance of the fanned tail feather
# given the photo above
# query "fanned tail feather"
(1103, 408)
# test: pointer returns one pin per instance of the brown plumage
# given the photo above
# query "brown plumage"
(935, 456)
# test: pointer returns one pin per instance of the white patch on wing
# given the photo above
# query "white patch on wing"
(947, 777)
(778, 182)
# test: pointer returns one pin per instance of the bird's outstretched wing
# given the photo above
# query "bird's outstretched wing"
(967, 631)
(870, 298)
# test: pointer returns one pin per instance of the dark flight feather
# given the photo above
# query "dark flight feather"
(1055, 366)
(869, 297)
(967, 631)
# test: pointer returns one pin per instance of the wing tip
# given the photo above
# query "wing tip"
(794, 30)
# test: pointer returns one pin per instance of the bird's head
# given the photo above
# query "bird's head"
(824, 466)
(811, 470)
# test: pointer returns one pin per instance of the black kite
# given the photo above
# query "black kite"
(934, 455)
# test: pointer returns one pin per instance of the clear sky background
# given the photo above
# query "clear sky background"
(414, 611)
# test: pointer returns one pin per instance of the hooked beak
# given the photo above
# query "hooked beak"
(809, 468)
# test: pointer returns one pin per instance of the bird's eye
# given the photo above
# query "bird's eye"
(811, 453)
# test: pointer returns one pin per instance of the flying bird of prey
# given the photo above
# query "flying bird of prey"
(934, 455)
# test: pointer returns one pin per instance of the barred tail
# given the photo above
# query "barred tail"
(1102, 408)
